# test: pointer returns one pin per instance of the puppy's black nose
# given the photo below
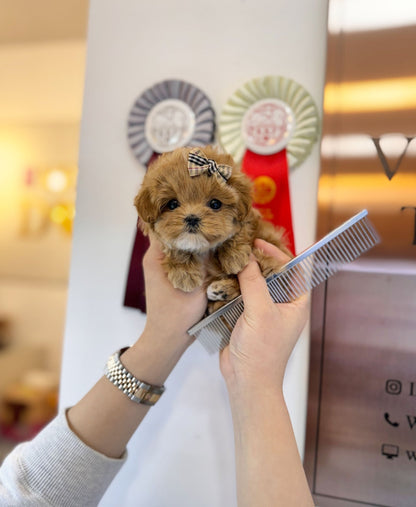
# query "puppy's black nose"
(192, 221)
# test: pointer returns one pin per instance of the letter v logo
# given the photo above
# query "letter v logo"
(411, 419)
(394, 144)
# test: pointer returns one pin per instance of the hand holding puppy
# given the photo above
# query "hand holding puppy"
(181, 309)
(198, 204)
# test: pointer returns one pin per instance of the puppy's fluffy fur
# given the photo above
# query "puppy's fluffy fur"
(206, 226)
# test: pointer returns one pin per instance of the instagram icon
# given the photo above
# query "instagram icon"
(393, 386)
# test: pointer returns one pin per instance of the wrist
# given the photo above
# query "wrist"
(251, 393)
(152, 357)
(248, 381)
(166, 336)
(247, 405)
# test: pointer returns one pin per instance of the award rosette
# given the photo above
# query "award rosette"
(166, 116)
(270, 124)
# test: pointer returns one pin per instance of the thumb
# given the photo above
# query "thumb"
(253, 288)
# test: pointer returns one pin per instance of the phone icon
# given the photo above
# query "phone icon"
(387, 418)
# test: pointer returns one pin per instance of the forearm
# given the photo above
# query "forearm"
(105, 419)
(55, 468)
(268, 466)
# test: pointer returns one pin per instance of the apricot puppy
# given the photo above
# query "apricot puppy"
(198, 204)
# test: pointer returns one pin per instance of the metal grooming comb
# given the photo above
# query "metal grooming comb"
(313, 266)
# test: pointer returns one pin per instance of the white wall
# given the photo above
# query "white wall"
(183, 453)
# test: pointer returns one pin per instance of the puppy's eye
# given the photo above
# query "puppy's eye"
(215, 204)
(172, 204)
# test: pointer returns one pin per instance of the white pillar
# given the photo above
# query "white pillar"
(183, 453)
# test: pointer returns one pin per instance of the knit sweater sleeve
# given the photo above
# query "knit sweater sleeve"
(56, 468)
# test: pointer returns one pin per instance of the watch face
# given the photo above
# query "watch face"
(268, 126)
(169, 125)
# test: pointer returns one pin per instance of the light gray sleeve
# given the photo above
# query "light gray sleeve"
(56, 468)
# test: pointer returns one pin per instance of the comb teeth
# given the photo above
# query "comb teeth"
(298, 276)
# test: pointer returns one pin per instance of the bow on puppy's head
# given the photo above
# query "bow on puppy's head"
(199, 164)
(193, 199)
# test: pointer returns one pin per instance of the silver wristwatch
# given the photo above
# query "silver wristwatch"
(136, 389)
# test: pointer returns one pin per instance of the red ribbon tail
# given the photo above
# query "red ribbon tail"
(270, 175)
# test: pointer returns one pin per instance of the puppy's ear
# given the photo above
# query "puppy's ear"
(244, 187)
(146, 207)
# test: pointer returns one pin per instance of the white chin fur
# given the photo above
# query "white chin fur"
(191, 242)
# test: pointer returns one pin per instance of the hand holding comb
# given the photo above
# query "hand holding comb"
(307, 270)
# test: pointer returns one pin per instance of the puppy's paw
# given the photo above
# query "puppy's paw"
(223, 290)
(233, 261)
(268, 265)
(185, 280)
(213, 306)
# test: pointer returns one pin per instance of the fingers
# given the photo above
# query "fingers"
(271, 250)
(154, 255)
(252, 284)
(155, 248)
(253, 287)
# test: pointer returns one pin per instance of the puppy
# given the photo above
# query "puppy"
(198, 204)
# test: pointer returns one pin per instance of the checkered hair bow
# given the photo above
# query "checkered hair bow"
(198, 164)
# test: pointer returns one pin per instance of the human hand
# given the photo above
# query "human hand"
(266, 332)
(170, 312)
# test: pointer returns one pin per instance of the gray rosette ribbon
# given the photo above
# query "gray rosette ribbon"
(166, 116)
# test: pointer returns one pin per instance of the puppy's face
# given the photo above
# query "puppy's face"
(197, 213)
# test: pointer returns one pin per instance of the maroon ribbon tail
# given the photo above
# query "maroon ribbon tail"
(134, 296)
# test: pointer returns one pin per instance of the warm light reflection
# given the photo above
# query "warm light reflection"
(391, 205)
(362, 16)
(11, 156)
(370, 96)
(362, 146)
(47, 197)
(41, 195)
(56, 180)
(63, 215)
(373, 190)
